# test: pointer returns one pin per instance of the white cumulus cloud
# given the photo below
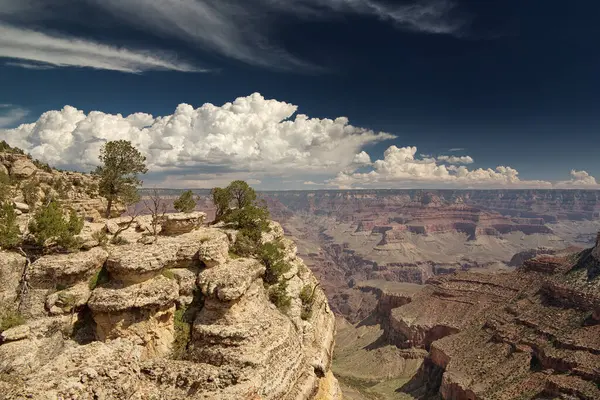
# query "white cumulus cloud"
(249, 134)
(400, 168)
(362, 158)
(456, 159)
(581, 180)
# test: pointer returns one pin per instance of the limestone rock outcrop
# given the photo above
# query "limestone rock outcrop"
(178, 318)
(78, 190)
(176, 224)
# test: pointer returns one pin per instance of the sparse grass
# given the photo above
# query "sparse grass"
(101, 237)
(233, 256)
(10, 318)
(167, 273)
(99, 278)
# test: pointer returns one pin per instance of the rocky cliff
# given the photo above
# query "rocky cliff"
(532, 333)
(33, 182)
(179, 318)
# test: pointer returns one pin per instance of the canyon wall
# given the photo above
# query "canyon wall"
(531, 333)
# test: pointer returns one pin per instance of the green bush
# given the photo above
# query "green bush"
(31, 192)
(245, 244)
(49, 227)
(307, 299)
(42, 165)
(6, 148)
(185, 203)
(273, 257)
(183, 329)
(278, 296)
(251, 218)
(5, 187)
(10, 235)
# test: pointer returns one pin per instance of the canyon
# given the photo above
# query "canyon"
(413, 276)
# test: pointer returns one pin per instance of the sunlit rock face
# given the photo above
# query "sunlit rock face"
(106, 323)
(531, 333)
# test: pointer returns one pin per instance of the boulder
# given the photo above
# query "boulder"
(186, 279)
(3, 169)
(11, 268)
(16, 333)
(138, 262)
(66, 301)
(214, 251)
(111, 227)
(230, 281)
(176, 224)
(21, 206)
(22, 168)
(154, 293)
(66, 269)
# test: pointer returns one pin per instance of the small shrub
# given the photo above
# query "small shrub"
(119, 241)
(183, 329)
(10, 235)
(307, 299)
(233, 255)
(100, 277)
(101, 237)
(6, 148)
(42, 165)
(273, 257)
(10, 318)
(5, 187)
(245, 245)
(61, 186)
(278, 296)
(31, 193)
(49, 227)
(185, 203)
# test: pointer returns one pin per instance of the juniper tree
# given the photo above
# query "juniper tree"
(185, 203)
(119, 173)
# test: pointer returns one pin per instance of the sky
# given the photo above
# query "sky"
(310, 94)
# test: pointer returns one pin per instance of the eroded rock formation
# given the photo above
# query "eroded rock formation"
(532, 333)
(112, 324)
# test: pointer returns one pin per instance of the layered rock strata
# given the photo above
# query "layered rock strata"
(105, 323)
(533, 333)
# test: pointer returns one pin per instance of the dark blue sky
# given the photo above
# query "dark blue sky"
(512, 82)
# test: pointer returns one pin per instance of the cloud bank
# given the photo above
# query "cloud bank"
(259, 139)
(251, 134)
